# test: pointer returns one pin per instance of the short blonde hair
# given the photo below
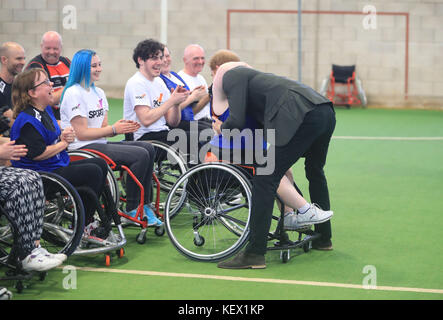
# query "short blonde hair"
(24, 82)
(222, 56)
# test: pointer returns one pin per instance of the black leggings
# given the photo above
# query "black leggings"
(138, 156)
(86, 173)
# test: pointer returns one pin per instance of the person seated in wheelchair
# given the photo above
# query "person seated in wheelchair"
(187, 123)
(36, 127)
(84, 107)
(23, 201)
(147, 100)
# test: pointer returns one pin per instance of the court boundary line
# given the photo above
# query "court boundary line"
(388, 138)
(259, 280)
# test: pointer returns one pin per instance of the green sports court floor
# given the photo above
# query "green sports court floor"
(385, 175)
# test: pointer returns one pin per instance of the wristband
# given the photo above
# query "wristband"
(114, 132)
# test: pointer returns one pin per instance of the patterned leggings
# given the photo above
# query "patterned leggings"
(22, 197)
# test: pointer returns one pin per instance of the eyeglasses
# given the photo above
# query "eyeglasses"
(46, 82)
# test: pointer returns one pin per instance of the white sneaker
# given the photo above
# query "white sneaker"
(37, 261)
(5, 294)
(59, 256)
(290, 222)
(314, 215)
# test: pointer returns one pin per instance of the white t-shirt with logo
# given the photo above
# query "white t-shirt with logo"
(90, 104)
(140, 91)
(192, 83)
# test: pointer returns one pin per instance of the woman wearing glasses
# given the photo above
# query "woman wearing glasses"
(36, 127)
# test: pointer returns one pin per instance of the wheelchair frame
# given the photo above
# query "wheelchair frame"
(113, 181)
(10, 260)
(216, 216)
(63, 224)
(89, 245)
(344, 76)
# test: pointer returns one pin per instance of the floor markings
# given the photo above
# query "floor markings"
(261, 280)
(388, 138)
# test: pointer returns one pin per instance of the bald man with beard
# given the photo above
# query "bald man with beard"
(12, 59)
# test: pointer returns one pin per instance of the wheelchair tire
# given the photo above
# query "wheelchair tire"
(216, 208)
(64, 217)
(167, 171)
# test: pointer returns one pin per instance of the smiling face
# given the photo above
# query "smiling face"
(51, 48)
(151, 67)
(96, 68)
(194, 60)
(166, 68)
(15, 60)
(41, 93)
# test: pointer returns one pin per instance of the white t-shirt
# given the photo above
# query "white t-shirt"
(140, 91)
(192, 83)
(90, 104)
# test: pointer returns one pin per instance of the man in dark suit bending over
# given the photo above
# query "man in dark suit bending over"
(303, 122)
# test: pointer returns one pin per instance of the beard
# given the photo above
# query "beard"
(15, 70)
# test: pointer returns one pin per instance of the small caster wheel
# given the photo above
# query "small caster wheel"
(107, 260)
(199, 241)
(159, 231)
(19, 286)
(141, 238)
(307, 246)
(120, 252)
(42, 276)
(284, 256)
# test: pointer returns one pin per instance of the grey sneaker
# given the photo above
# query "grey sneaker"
(244, 261)
(314, 215)
(290, 222)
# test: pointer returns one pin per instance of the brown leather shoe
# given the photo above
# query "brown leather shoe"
(244, 260)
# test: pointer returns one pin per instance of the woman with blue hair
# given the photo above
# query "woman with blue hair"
(85, 107)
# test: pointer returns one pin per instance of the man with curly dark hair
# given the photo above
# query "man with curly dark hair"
(146, 100)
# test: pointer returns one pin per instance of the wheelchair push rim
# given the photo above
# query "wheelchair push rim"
(213, 222)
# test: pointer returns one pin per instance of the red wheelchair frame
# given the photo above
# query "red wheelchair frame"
(343, 76)
(139, 214)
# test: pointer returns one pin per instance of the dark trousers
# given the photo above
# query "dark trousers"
(138, 156)
(312, 141)
(86, 173)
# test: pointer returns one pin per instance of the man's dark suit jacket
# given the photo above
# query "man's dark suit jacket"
(274, 102)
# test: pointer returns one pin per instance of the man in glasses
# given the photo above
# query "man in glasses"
(12, 61)
(55, 65)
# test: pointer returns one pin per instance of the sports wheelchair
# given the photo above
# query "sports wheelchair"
(169, 165)
(63, 225)
(343, 87)
(211, 221)
(166, 171)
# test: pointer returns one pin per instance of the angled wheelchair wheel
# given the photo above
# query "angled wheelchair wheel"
(212, 224)
(169, 166)
(64, 215)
